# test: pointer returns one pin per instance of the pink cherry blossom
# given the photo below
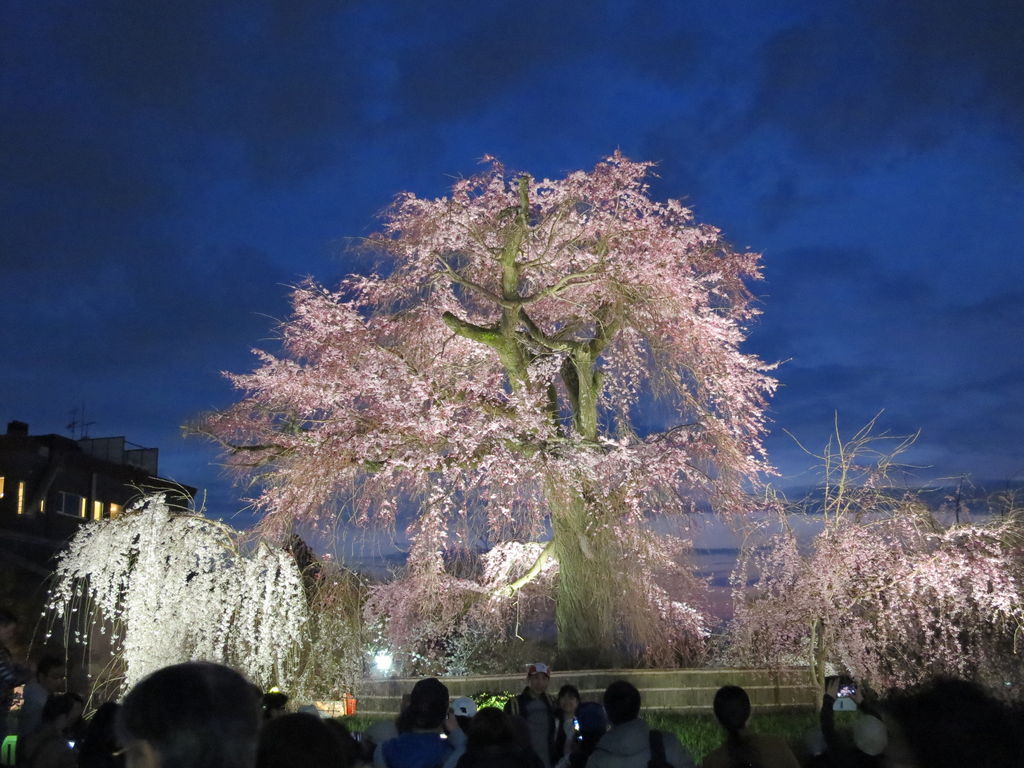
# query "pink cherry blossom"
(494, 369)
(885, 591)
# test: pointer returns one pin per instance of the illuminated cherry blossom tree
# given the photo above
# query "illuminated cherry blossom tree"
(171, 586)
(885, 590)
(499, 369)
(168, 585)
(893, 601)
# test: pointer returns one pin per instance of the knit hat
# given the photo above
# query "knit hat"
(428, 701)
(591, 717)
(464, 707)
(538, 669)
(869, 735)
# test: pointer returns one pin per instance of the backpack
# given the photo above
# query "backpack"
(658, 759)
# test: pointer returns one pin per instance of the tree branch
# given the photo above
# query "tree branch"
(537, 335)
(473, 286)
(489, 336)
(577, 278)
(534, 570)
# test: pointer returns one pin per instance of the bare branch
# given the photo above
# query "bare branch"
(577, 278)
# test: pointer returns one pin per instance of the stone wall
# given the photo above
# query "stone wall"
(677, 690)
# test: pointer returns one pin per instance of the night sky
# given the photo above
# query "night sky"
(170, 168)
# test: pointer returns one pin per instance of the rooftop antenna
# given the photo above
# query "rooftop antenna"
(79, 424)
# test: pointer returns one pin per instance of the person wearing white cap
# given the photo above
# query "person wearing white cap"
(869, 733)
(464, 708)
(536, 706)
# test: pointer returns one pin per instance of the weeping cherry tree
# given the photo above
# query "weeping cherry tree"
(504, 367)
(168, 587)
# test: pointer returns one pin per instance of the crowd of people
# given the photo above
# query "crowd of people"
(206, 715)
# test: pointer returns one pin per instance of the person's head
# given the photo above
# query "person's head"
(537, 677)
(194, 715)
(568, 698)
(50, 673)
(99, 747)
(592, 719)
(274, 704)
(428, 704)
(300, 740)
(948, 722)
(732, 708)
(61, 710)
(491, 726)
(621, 702)
(8, 625)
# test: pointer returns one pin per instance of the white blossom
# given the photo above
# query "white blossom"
(177, 587)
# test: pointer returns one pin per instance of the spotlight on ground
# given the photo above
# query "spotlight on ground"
(382, 662)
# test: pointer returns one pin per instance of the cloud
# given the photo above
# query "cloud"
(977, 44)
(273, 79)
(485, 51)
(884, 76)
(72, 188)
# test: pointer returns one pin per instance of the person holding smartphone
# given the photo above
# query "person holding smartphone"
(12, 674)
(51, 745)
(429, 732)
(869, 734)
(567, 731)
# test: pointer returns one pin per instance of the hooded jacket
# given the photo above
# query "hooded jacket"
(628, 745)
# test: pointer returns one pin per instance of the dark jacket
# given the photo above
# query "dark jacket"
(840, 754)
(562, 735)
(500, 756)
(517, 706)
(517, 703)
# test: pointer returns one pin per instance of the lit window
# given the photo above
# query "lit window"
(115, 510)
(97, 510)
(21, 497)
(42, 504)
(81, 506)
(1, 487)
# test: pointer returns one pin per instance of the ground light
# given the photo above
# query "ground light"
(382, 662)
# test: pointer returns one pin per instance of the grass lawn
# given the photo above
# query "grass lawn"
(701, 733)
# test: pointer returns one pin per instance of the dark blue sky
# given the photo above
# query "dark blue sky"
(168, 168)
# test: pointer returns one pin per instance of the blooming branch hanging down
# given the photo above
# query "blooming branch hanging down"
(499, 368)
(173, 587)
(895, 601)
(885, 590)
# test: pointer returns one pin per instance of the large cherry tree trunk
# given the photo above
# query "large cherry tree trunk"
(589, 583)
